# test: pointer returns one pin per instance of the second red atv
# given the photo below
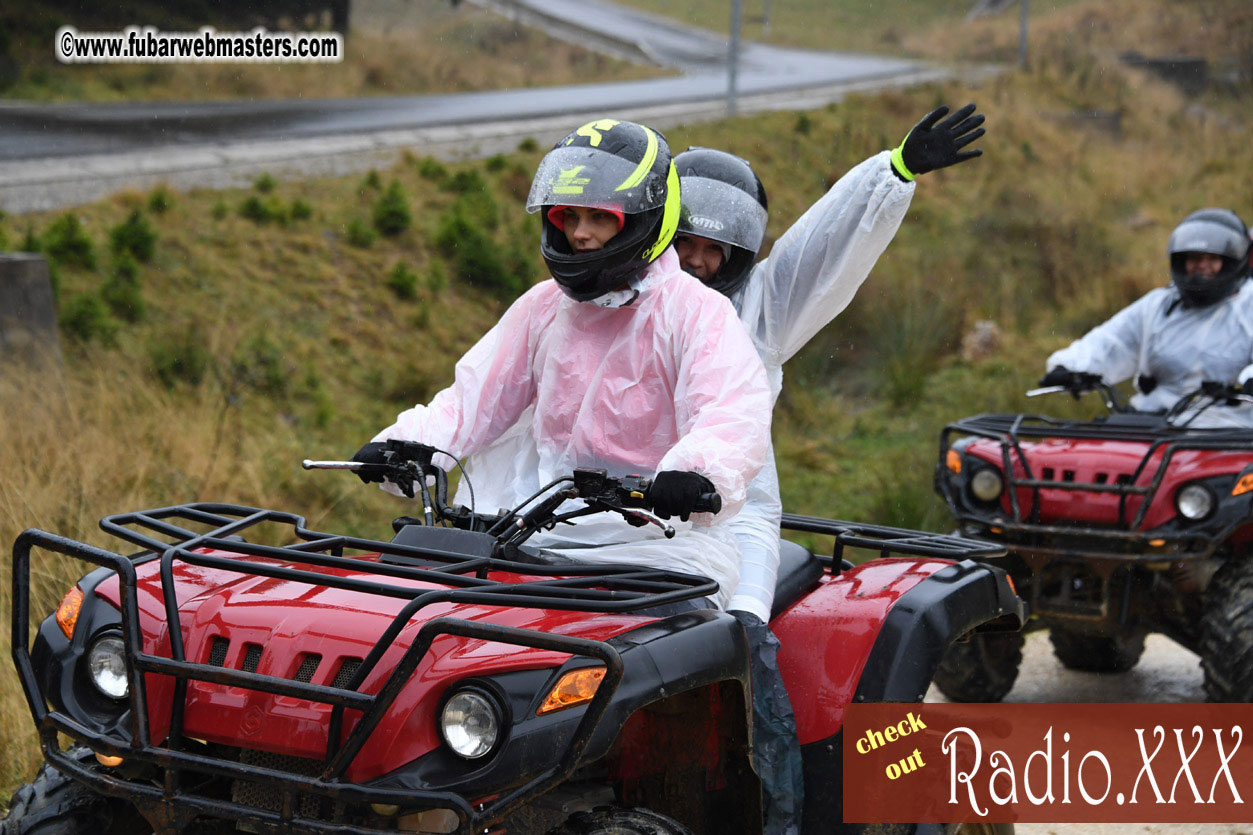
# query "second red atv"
(1115, 527)
(450, 680)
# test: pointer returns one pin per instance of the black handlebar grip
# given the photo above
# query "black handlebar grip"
(708, 503)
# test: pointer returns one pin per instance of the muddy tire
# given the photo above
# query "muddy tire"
(981, 669)
(53, 804)
(1227, 633)
(1096, 653)
(613, 821)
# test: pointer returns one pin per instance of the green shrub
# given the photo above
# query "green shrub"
(121, 292)
(437, 276)
(474, 256)
(358, 234)
(30, 243)
(402, 281)
(265, 183)
(219, 210)
(258, 365)
(85, 319)
(134, 236)
(261, 211)
(495, 163)
(391, 211)
(466, 181)
(804, 124)
(430, 168)
(301, 209)
(67, 243)
(371, 181)
(160, 201)
(180, 357)
(528, 145)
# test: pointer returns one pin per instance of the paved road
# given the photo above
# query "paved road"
(62, 154)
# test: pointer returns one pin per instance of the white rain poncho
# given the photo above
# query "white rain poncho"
(1180, 347)
(813, 272)
(670, 382)
(811, 275)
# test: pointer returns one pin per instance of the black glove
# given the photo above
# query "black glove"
(1059, 375)
(676, 492)
(930, 146)
(1225, 392)
(371, 453)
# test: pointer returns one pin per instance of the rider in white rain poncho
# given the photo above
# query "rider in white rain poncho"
(1197, 329)
(626, 363)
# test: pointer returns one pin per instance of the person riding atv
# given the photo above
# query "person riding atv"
(1139, 521)
(454, 679)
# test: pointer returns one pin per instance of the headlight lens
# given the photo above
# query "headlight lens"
(1195, 501)
(470, 724)
(106, 664)
(986, 484)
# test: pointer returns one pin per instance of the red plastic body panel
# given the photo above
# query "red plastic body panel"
(828, 634)
(1085, 461)
(290, 619)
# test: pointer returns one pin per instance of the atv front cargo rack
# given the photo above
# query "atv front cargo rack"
(600, 588)
(1126, 535)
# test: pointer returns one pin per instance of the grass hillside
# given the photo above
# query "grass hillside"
(215, 338)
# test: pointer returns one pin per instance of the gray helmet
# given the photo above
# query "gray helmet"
(1217, 232)
(723, 200)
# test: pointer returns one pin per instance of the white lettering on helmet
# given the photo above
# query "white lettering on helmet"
(706, 223)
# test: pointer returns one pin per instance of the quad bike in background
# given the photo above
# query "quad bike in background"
(453, 680)
(1115, 527)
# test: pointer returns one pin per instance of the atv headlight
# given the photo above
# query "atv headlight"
(106, 666)
(986, 484)
(1194, 501)
(470, 724)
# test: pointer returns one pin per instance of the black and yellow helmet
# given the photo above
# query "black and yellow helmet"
(610, 164)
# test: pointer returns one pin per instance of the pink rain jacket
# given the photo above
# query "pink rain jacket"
(670, 382)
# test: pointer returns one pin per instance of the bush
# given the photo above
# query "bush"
(301, 209)
(30, 243)
(358, 234)
(430, 168)
(134, 236)
(258, 365)
(160, 201)
(180, 357)
(371, 181)
(495, 163)
(85, 319)
(265, 183)
(467, 181)
(263, 211)
(402, 281)
(121, 292)
(66, 242)
(219, 210)
(391, 211)
(528, 145)
(475, 256)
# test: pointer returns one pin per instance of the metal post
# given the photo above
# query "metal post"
(733, 59)
(1022, 36)
(765, 20)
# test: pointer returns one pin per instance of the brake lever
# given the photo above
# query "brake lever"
(643, 515)
(1046, 390)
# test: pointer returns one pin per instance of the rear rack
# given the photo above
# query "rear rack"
(598, 588)
(1162, 438)
(887, 540)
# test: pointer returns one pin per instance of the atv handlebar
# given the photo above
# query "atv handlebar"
(409, 465)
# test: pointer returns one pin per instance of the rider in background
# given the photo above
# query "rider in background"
(1197, 329)
(626, 363)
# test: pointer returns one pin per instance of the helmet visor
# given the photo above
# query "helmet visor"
(585, 176)
(721, 212)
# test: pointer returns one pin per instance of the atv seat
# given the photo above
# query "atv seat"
(799, 573)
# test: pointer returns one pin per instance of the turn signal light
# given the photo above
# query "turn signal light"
(108, 761)
(574, 688)
(1244, 485)
(67, 612)
(953, 461)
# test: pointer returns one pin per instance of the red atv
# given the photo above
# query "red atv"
(1115, 527)
(452, 680)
